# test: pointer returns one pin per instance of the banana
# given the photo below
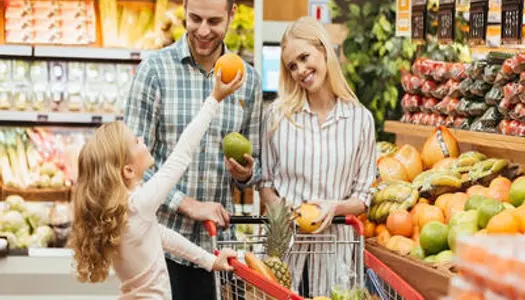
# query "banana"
(371, 213)
(397, 193)
(499, 165)
(446, 180)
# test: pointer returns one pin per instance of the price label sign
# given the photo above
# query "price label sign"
(403, 17)
(478, 22)
(419, 20)
(447, 21)
(511, 21)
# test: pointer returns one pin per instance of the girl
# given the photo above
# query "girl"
(114, 214)
(318, 145)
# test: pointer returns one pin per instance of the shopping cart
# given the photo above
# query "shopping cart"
(246, 284)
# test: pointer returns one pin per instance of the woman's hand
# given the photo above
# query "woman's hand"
(222, 90)
(221, 263)
(328, 210)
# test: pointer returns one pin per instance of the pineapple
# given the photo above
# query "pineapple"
(278, 237)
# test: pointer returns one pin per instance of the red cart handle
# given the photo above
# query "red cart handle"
(352, 221)
(211, 227)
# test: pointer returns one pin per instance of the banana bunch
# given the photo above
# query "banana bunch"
(433, 183)
(488, 169)
(466, 160)
(390, 196)
(384, 149)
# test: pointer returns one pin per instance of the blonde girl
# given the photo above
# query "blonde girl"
(318, 146)
(114, 213)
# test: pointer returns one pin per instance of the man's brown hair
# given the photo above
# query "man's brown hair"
(229, 5)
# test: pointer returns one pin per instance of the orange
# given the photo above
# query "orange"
(391, 169)
(416, 210)
(369, 229)
(499, 189)
(452, 210)
(230, 64)
(383, 237)
(519, 213)
(380, 228)
(430, 213)
(399, 222)
(443, 200)
(503, 223)
(477, 190)
(415, 236)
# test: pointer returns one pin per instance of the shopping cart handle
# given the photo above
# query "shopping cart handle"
(211, 227)
(248, 220)
(350, 220)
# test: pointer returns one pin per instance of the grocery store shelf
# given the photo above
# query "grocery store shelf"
(57, 117)
(513, 143)
(16, 50)
(86, 53)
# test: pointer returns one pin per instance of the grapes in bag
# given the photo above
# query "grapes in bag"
(490, 73)
(494, 96)
(464, 87)
(479, 88)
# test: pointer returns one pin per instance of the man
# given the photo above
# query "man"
(167, 91)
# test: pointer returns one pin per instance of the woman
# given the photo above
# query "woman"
(318, 145)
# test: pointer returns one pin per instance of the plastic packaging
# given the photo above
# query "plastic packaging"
(491, 117)
(456, 71)
(453, 88)
(464, 87)
(476, 70)
(494, 96)
(479, 88)
(428, 104)
(511, 91)
(441, 91)
(490, 73)
(428, 87)
(518, 112)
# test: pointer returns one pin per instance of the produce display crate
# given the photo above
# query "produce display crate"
(430, 280)
(33, 194)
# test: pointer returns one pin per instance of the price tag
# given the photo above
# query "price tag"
(447, 21)
(419, 20)
(511, 21)
(42, 118)
(96, 119)
(478, 22)
(49, 252)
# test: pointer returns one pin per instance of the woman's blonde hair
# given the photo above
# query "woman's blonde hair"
(100, 202)
(292, 96)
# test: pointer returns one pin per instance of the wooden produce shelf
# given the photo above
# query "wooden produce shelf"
(491, 144)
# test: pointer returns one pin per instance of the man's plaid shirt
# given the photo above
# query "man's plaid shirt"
(168, 90)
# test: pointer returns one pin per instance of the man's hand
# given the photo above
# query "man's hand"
(239, 172)
(204, 211)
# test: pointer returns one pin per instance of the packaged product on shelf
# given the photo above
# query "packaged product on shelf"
(494, 96)
(39, 96)
(464, 87)
(476, 70)
(511, 92)
(452, 106)
(58, 82)
(518, 112)
(478, 125)
(462, 108)
(522, 78)
(109, 73)
(38, 71)
(93, 73)
(407, 117)
(505, 106)
(491, 117)
(479, 88)
(521, 129)
(476, 108)
(453, 88)
(75, 72)
(60, 221)
(20, 71)
(441, 91)
(5, 96)
(441, 107)
(110, 99)
(506, 74)
(411, 103)
(411, 83)
(74, 97)
(440, 73)
(428, 104)
(92, 97)
(21, 97)
(449, 121)
(457, 72)
(428, 87)
(418, 117)
(503, 127)
(462, 123)
(491, 72)
(520, 63)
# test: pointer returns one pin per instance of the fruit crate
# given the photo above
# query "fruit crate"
(431, 280)
(34, 194)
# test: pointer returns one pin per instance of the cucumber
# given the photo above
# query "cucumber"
(498, 57)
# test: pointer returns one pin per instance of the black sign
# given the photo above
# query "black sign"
(42, 118)
(479, 12)
(511, 21)
(419, 20)
(447, 21)
(96, 119)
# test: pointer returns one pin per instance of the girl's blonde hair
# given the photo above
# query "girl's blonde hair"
(292, 96)
(100, 202)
